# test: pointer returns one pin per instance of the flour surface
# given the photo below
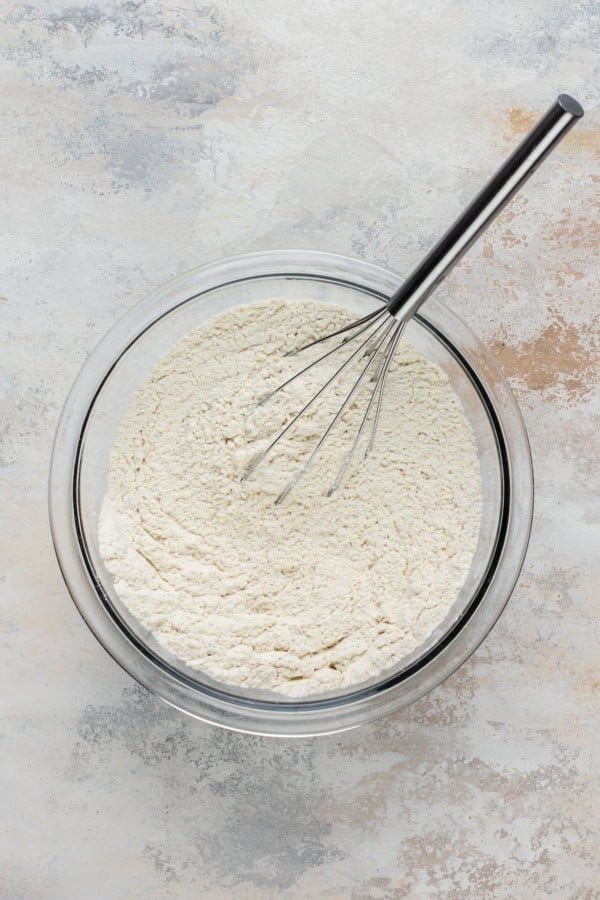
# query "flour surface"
(318, 593)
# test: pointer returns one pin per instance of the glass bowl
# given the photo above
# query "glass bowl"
(101, 395)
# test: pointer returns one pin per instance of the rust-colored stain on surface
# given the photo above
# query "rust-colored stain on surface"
(581, 139)
(558, 356)
(578, 232)
(488, 250)
(520, 120)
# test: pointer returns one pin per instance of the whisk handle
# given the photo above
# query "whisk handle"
(482, 211)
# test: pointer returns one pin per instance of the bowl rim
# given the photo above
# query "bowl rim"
(301, 717)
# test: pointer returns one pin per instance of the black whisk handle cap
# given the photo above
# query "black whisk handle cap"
(570, 105)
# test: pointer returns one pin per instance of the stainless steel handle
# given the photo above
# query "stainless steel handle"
(471, 224)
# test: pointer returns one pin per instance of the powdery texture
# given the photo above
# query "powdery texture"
(318, 593)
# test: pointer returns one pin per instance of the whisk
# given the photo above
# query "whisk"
(377, 334)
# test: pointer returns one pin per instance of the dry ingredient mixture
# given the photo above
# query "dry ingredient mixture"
(318, 593)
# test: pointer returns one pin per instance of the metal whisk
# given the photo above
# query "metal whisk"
(379, 332)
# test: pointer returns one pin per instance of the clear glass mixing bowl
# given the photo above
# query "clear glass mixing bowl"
(93, 412)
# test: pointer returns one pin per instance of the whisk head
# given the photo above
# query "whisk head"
(376, 337)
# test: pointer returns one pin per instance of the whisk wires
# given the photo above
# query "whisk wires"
(381, 334)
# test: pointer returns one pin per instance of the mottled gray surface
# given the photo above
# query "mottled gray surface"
(138, 139)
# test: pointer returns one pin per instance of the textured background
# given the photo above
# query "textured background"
(138, 139)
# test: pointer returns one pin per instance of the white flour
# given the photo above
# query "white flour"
(318, 593)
